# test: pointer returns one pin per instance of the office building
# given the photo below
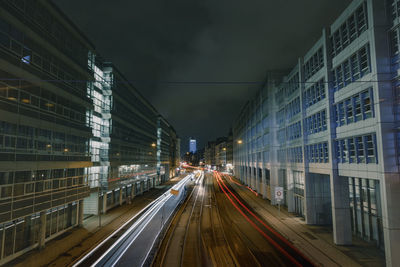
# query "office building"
(328, 131)
(75, 136)
(130, 146)
(220, 153)
(192, 145)
(45, 132)
(209, 154)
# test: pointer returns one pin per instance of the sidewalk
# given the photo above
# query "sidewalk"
(66, 248)
(316, 242)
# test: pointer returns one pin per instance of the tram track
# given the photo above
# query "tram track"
(215, 227)
(286, 251)
(195, 236)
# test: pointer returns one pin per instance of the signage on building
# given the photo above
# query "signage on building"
(279, 193)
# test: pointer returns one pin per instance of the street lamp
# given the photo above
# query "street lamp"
(239, 141)
(153, 144)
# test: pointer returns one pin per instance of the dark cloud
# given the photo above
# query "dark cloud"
(208, 40)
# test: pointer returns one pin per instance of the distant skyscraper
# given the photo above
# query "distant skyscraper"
(192, 145)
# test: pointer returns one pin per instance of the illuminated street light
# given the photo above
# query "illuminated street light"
(239, 142)
(224, 148)
(153, 144)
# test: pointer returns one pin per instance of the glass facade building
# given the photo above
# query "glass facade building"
(75, 136)
(133, 147)
(328, 131)
(44, 128)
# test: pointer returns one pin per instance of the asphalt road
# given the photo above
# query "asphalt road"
(215, 227)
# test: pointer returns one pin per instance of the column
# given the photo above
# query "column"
(80, 213)
(309, 199)
(133, 190)
(274, 180)
(120, 196)
(263, 183)
(42, 230)
(340, 210)
(391, 218)
(290, 187)
(251, 177)
(104, 202)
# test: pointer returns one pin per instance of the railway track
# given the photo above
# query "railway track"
(177, 239)
(216, 228)
(285, 252)
(214, 236)
(196, 236)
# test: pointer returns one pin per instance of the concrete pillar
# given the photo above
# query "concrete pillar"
(248, 176)
(69, 215)
(42, 230)
(120, 196)
(340, 210)
(257, 180)
(254, 178)
(133, 190)
(28, 225)
(244, 179)
(80, 213)
(251, 184)
(274, 183)
(263, 184)
(289, 193)
(310, 199)
(104, 202)
(391, 217)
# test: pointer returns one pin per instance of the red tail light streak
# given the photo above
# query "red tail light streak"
(228, 193)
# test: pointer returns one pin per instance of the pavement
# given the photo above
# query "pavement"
(69, 246)
(314, 241)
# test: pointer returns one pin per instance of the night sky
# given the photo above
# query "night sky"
(192, 59)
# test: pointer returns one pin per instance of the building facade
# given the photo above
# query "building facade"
(45, 131)
(220, 153)
(131, 146)
(192, 145)
(209, 154)
(75, 136)
(328, 132)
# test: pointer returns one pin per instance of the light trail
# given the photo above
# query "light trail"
(273, 242)
(260, 221)
(233, 181)
(122, 244)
